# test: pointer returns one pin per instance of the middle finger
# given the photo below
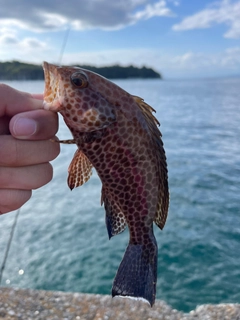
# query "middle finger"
(25, 178)
(14, 152)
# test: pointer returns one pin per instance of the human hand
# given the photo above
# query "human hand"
(25, 148)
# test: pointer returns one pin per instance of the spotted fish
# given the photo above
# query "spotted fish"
(116, 133)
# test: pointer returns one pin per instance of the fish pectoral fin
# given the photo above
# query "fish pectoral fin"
(115, 219)
(79, 170)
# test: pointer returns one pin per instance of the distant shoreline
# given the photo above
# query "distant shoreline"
(15, 70)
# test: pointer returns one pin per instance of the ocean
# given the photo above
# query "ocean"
(61, 242)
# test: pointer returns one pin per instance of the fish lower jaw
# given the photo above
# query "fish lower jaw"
(55, 105)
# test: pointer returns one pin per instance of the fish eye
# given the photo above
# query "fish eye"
(79, 80)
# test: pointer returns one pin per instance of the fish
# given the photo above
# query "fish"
(117, 134)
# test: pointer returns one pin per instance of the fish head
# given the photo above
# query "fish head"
(74, 93)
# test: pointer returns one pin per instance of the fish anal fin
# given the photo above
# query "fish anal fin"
(79, 170)
(115, 220)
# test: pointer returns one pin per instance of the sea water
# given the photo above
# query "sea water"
(61, 241)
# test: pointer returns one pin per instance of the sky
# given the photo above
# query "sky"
(178, 38)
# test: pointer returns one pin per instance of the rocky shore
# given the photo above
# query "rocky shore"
(26, 304)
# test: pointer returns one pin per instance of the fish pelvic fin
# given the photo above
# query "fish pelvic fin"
(114, 219)
(79, 170)
(137, 274)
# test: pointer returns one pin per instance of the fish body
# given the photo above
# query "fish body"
(116, 134)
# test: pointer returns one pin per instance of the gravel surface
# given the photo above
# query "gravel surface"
(26, 304)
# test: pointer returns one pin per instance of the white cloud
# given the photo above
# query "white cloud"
(226, 62)
(152, 10)
(195, 61)
(11, 41)
(176, 3)
(231, 58)
(32, 43)
(53, 21)
(109, 57)
(12, 44)
(41, 15)
(224, 12)
(7, 37)
(188, 64)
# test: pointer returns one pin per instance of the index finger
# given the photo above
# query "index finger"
(38, 96)
(13, 101)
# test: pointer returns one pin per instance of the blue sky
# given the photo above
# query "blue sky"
(179, 38)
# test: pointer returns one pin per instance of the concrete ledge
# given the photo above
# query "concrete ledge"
(26, 304)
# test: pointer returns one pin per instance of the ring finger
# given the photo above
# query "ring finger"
(25, 178)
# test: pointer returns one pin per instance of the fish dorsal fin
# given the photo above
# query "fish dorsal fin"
(115, 220)
(163, 194)
(79, 170)
(147, 111)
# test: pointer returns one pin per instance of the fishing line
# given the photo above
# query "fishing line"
(9, 244)
(65, 39)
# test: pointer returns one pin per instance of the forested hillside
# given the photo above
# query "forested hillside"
(16, 70)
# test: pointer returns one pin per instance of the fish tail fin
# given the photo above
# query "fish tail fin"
(137, 274)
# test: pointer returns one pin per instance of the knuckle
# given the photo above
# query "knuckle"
(54, 149)
(9, 152)
(48, 172)
(47, 124)
(4, 88)
(6, 177)
(43, 175)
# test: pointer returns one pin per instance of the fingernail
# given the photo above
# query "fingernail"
(24, 127)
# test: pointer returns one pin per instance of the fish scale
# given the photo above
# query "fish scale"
(117, 134)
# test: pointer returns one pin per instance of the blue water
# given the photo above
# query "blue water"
(61, 242)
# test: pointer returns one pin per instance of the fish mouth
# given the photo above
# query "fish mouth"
(51, 90)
